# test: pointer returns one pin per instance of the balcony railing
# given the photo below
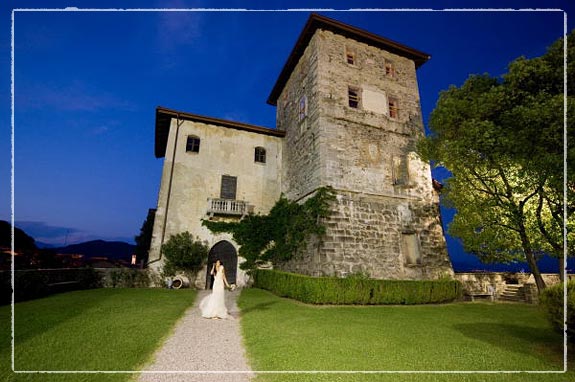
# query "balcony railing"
(227, 207)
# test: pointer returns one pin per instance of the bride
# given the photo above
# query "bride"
(213, 305)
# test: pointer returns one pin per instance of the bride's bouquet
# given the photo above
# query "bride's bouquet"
(232, 287)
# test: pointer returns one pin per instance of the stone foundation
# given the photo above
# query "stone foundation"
(366, 234)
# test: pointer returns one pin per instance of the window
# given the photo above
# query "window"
(393, 108)
(302, 108)
(228, 188)
(389, 69)
(411, 252)
(349, 56)
(193, 144)
(353, 97)
(260, 155)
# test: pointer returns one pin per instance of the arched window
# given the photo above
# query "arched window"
(260, 155)
(193, 144)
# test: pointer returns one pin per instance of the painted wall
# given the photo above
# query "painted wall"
(190, 179)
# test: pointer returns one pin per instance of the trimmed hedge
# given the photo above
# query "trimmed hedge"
(128, 278)
(551, 299)
(36, 283)
(355, 290)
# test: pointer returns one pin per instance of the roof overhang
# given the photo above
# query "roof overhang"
(315, 22)
(164, 118)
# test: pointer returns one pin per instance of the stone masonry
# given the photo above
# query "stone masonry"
(385, 221)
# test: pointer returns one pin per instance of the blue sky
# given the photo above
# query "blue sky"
(87, 85)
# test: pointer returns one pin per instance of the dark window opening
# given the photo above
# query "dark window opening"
(260, 155)
(193, 144)
(350, 57)
(353, 97)
(393, 108)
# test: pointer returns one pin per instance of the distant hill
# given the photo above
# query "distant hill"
(99, 248)
(41, 244)
(22, 241)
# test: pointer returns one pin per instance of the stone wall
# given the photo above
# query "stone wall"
(386, 207)
(302, 148)
(478, 282)
(364, 234)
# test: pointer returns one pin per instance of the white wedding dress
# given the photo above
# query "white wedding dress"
(214, 305)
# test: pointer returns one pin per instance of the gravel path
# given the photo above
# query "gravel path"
(201, 347)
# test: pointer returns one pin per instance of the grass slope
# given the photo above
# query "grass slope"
(281, 334)
(103, 329)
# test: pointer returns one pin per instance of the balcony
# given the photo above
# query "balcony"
(227, 207)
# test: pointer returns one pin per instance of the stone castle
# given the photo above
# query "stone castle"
(348, 116)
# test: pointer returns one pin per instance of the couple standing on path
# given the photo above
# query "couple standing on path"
(214, 305)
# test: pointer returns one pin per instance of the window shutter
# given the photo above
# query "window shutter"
(229, 186)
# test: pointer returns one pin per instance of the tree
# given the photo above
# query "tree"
(281, 234)
(184, 254)
(502, 140)
(144, 239)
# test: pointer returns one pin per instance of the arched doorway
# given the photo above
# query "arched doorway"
(227, 254)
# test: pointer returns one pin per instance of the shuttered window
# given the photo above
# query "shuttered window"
(229, 186)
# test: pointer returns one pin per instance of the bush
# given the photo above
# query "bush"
(551, 299)
(356, 290)
(129, 278)
(35, 283)
(184, 254)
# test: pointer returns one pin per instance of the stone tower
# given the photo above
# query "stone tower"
(348, 101)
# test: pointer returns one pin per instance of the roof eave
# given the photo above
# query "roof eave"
(316, 21)
(165, 115)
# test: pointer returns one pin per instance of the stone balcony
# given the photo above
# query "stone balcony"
(228, 207)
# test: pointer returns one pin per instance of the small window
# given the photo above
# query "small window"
(353, 97)
(193, 144)
(393, 108)
(302, 108)
(260, 155)
(389, 69)
(411, 252)
(349, 56)
(229, 186)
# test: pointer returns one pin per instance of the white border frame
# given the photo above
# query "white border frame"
(75, 9)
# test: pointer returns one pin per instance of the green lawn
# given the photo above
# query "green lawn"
(103, 329)
(119, 329)
(281, 334)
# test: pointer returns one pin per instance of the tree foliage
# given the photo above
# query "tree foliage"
(502, 139)
(282, 233)
(144, 239)
(184, 254)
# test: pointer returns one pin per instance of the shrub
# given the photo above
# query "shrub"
(551, 299)
(35, 283)
(129, 278)
(356, 290)
(184, 254)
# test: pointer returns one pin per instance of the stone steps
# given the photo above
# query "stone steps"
(513, 292)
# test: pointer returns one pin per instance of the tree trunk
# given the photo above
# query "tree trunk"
(535, 270)
(526, 244)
